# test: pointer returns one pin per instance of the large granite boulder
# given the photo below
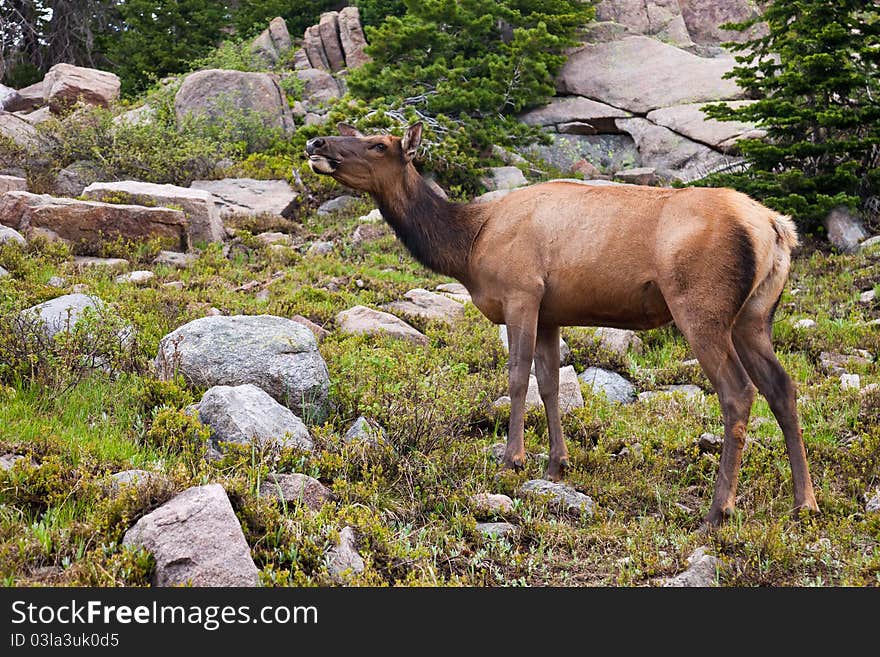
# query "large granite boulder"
(213, 93)
(17, 130)
(199, 206)
(88, 224)
(658, 18)
(249, 197)
(273, 353)
(66, 84)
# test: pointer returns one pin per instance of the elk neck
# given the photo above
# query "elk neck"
(438, 233)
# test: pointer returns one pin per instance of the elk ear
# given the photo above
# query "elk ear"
(348, 131)
(411, 140)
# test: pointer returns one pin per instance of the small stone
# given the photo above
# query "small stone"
(8, 461)
(611, 385)
(456, 291)
(868, 296)
(688, 391)
(497, 529)
(870, 243)
(586, 169)
(137, 478)
(492, 503)
(295, 488)
(619, 341)
(11, 235)
(361, 320)
(139, 277)
(344, 559)
(508, 177)
(850, 382)
(275, 238)
(701, 571)
(684, 509)
(3, 273)
(175, 285)
(321, 248)
(175, 259)
(338, 204)
(428, 306)
(804, 324)
(709, 442)
(366, 431)
(564, 497)
(84, 262)
(873, 504)
(56, 281)
(845, 230)
(373, 216)
(638, 176)
(496, 451)
(837, 363)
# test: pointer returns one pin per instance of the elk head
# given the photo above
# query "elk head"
(367, 164)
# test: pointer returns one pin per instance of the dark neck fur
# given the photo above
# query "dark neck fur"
(438, 233)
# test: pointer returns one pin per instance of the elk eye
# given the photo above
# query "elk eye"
(379, 147)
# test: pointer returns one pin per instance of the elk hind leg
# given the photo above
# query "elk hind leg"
(547, 372)
(522, 321)
(752, 339)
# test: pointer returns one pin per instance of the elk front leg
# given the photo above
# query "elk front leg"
(522, 321)
(547, 371)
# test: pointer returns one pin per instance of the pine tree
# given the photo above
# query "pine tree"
(814, 74)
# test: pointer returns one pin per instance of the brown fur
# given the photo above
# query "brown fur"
(714, 261)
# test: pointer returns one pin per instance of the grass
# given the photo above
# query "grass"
(410, 500)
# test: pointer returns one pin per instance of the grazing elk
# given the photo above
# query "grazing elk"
(555, 254)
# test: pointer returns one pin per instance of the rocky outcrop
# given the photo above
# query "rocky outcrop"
(658, 18)
(328, 28)
(17, 130)
(75, 177)
(273, 353)
(9, 97)
(336, 42)
(273, 42)
(569, 110)
(351, 34)
(361, 320)
(703, 19)
(213, 93)
(196, 540)
(248, 197)
(87, 225)
(320, 88)
(65, 85)
(27, 98)
(202, 214)
(691, 122)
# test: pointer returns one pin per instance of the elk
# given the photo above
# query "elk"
(713, 261)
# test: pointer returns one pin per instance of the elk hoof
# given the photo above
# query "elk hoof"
(556, 471)
(517, 462)
(715, 517)
(806, 509)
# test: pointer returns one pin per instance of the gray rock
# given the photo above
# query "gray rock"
(246, 197)
(321, 248)
(661, 19)
(610, 384)
(143, 115)
(873, 504)
(338, 204)
(18, 131)
(564, 497)
(496, 451)
(503, 178)
(247, 415)
(210, 94)
(275, 354)
(57, 281)
(688, 391)
(804, 324)
(314, 48)
(318, 331)
(175, 259)
(674, 156)
(361, 320)
(118, 481)
(343, 559)
(638, 176)
(576, 109)
(709, 442)
(870, 243)
(845, 231)
(640, 74)
(271, 238)
(27, 99)
(868, 296)
(703, 19)
(199, 206)
(296, 488)
(37, 117)
(74, 178)
(456, 291)
(3, 273)
(328, 28)
(570, 395)
(272, 42)
(8, 461)
(9, 97)
(619, 341)
(497, 529)
(11, 235)
(320, 89)
(491, 503)
(428, 306)
(850, 382)
(61, 314)
(701, 572)
(87, 262)
(12, 184)
(690, 120)
(352, 37)
(139, 277)
(366, 431)
(836, 363)
(196, 540)
(66, 84)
